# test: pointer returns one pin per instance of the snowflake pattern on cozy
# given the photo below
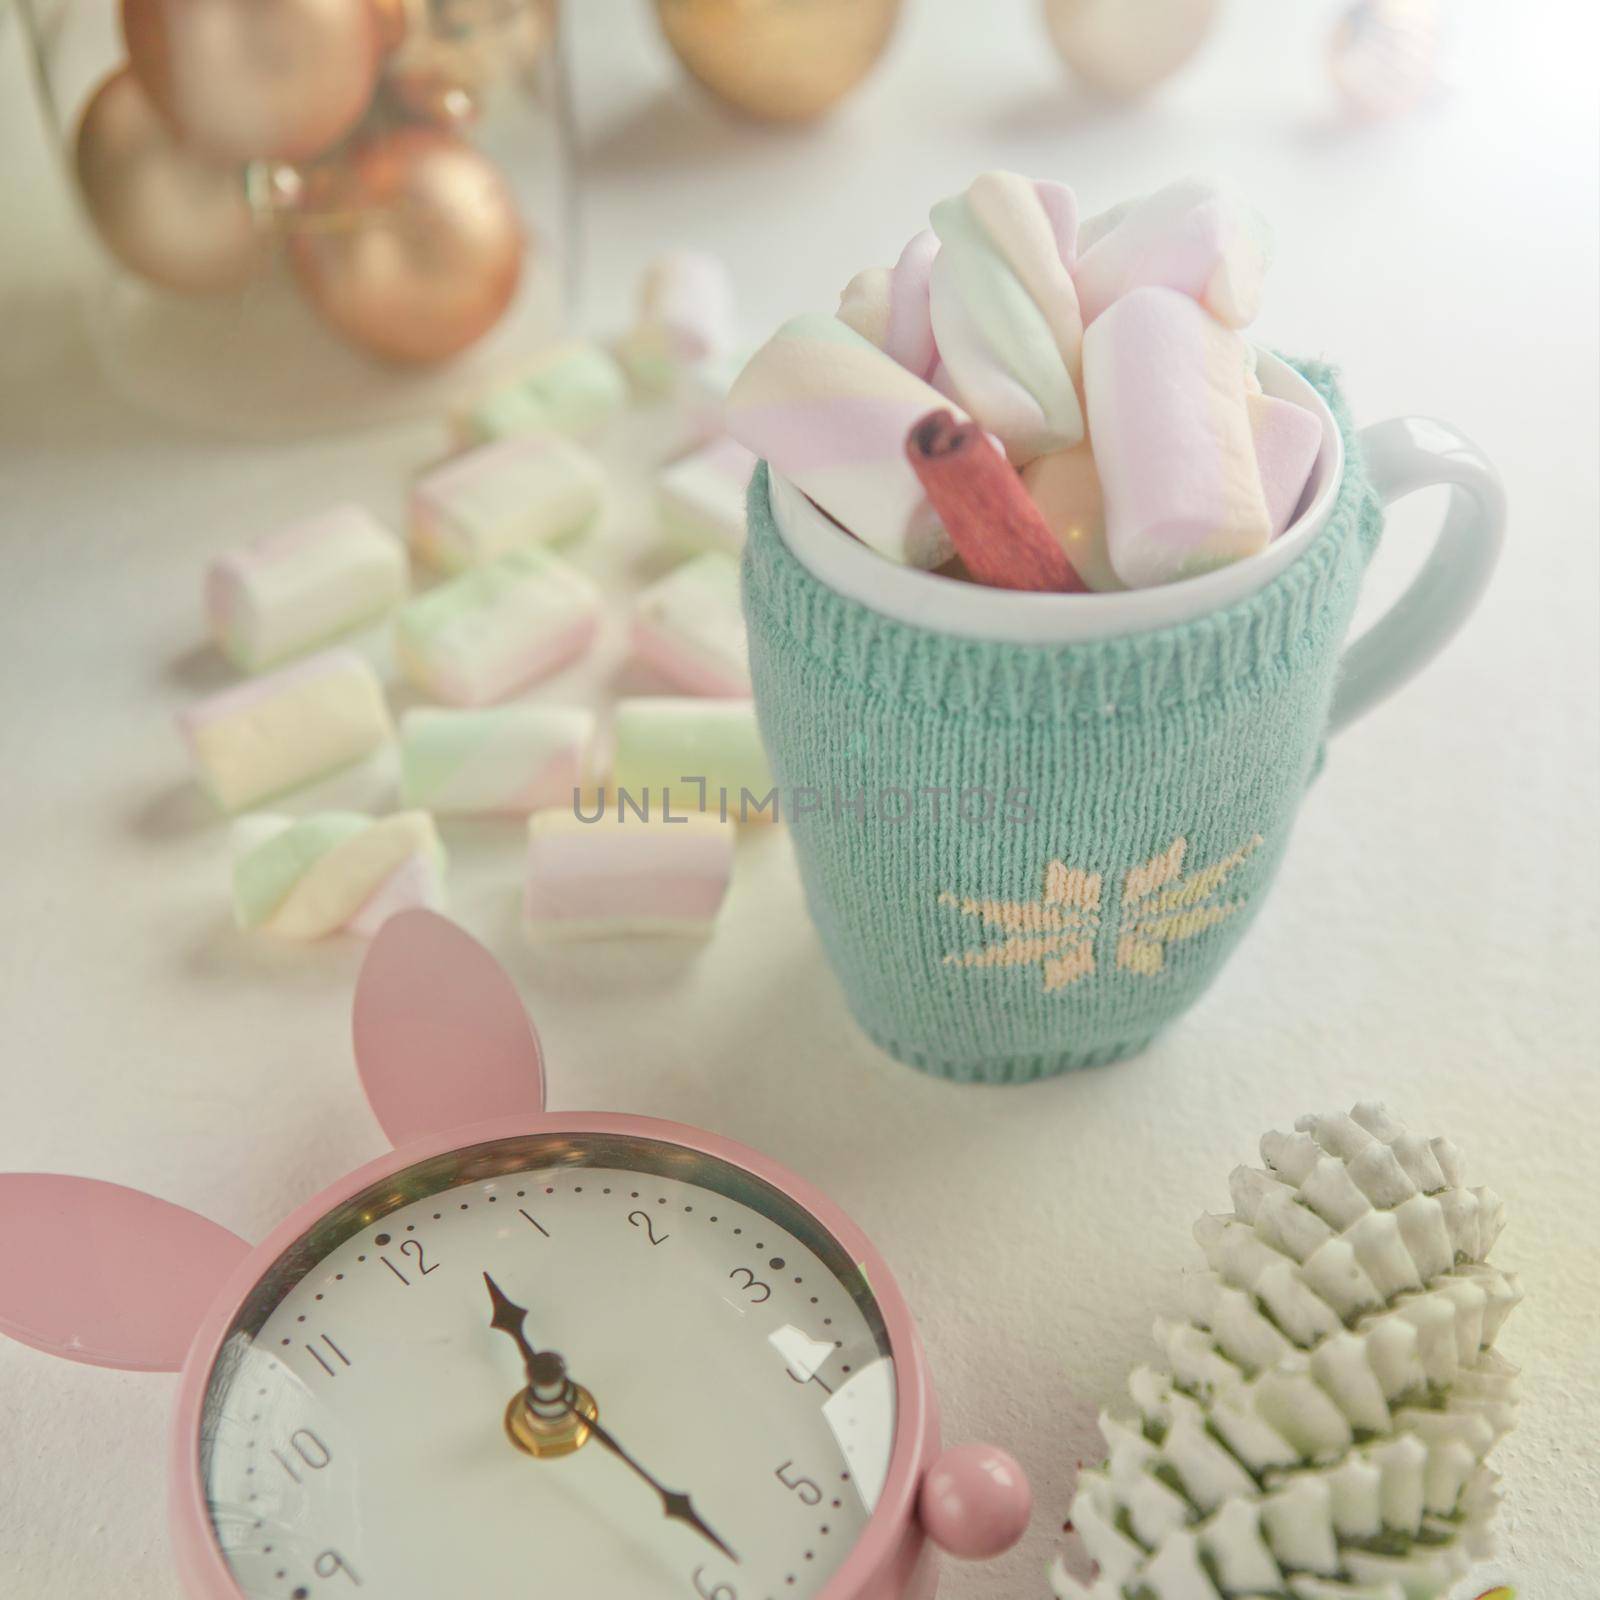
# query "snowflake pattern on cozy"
(1057, 932)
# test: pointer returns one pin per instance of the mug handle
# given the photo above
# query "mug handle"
(1402, 455)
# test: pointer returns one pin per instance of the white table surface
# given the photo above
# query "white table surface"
(1432, 940)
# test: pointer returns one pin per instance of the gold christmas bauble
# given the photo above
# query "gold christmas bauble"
(779, 60)
(1126, 47)
(162, 211)
(249, 80)
(409, 245)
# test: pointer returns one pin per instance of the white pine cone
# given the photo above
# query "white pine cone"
(1331, 1397)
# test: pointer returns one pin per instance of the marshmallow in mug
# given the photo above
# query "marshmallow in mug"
(1192, 236)
(831, 411)
(890, 306)
(1005, 311)
(334, 871)
(1169, 415)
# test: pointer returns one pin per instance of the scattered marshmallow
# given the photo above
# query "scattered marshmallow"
(335, 871)
(831, 412)
(692, 755)
(1191, 236)
(495, 628)
(500, 497)
(689, 628)
(509, 759)
(686, 317)
(302, 585)
(1287, 440)
(282, 730)
(1172, 438)
(700, 499)
(615, 877)
(574, 389)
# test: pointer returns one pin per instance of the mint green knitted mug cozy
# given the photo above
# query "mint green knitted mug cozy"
(1025, 858)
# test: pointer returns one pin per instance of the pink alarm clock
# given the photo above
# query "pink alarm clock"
(591, 1357)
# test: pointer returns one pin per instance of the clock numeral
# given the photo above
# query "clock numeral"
(751, 1284)
(809, 1493)
(539, 1225)
(330, 1564)
(308, 1449)
(641, 1219)
(717, 1591)
(421, 1260)
(316, 1352)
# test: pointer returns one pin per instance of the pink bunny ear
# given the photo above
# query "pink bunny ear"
(441, 1035)
(106, 1275)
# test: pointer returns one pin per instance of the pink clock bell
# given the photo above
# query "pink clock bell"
(593, 1356)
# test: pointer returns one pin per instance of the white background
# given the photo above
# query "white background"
(1432, 938)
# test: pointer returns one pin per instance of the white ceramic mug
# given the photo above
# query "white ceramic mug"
(1401, 455)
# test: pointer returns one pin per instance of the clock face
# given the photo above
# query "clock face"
(360, 1432)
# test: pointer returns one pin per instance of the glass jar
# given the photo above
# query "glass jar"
(312, 214)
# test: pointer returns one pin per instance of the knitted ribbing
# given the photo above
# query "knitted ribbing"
(1161, 772)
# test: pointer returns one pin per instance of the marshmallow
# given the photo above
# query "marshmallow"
(831, 411)
(689, 627)
(1172, 439)
(1066, 488)
(1093, 229)
(1287, 440)
(301, 585)
(573, 389)
(888, 306)
(1005, 312)
(700, 500)
(1191, 236)
(506, 759)
(502, 496)
(307, 877)
(277, 732)
(686, 316)
(618, 876)
(485, 634)
(691, 755)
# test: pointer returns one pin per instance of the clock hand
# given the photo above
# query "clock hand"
(674, 1502)
(511, 1319)
(551, 1396)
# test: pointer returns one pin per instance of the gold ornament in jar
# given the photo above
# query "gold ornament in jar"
(409, 245)
(253, 80)
(166, 213)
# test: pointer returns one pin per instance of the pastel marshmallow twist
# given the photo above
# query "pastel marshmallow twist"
(336, 871)
(1005, 312)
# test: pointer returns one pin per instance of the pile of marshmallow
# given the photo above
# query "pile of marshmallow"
(490, 600)
(1103, 357)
